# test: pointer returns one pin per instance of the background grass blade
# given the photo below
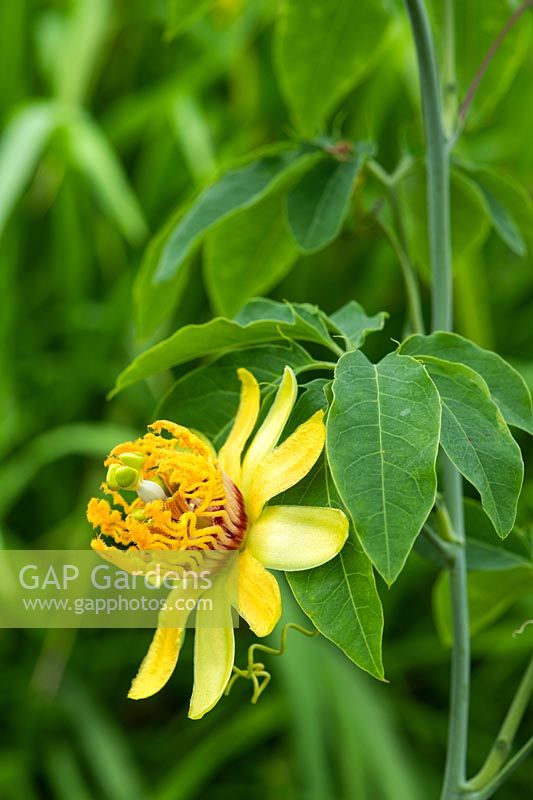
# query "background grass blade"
(21, 147)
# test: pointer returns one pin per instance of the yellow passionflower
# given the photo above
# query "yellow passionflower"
(190, 499)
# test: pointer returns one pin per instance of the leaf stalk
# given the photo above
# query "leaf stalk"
(502, 746)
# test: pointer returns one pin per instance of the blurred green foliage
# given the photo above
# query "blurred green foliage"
(113, 113)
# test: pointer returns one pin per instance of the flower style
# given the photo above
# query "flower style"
(188, 499)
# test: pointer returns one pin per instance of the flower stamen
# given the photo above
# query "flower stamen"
(184, 501)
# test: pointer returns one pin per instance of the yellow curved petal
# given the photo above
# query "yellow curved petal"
(287, 464)
(161, 658)
(230, 454)
(158, 664)
(297, 537)
(214, 652)
(268, 434)
(259, 595)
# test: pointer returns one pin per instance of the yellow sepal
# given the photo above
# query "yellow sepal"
(214, 653)
(268, 434)
(293, 538)
(259, 595)
(230, 454)
(158, 664)
(287, 464)
(162, 656)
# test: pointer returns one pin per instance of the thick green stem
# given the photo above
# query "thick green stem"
(455, 771)
(438, 170)
(448, 67)
(438, 191)
(504, 740)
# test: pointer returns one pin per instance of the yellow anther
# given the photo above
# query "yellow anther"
(135, 460)
(203, 438)
(122, 477)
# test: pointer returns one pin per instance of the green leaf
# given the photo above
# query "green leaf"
(341, 600)
(183, 13)
(192, 129)
(323, 48)
(340, 597)
(382, 441)
(154, 303)
(95, 158)
(500, 573)
(299, 322)
(208, 397)
(504, 223)
(235, 190)
(484, 551)
(474, 37)
(511, 194)
(317, 206)
(483, 557)
(354, 324)
(490, 594)
(477, 440)
(248, 254)
(261, 308)
(470, 222)
(311, 318)
(507, 387)
(81, 48)
(21, 147)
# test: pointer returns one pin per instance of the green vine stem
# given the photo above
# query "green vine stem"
(504, 741)
(438, 190)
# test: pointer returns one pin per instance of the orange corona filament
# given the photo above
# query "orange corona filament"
(203, 509)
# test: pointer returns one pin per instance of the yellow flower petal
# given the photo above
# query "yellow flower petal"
(214, 652)
(259, 595)
(158, 664)
(160, 660)
(287, 464)
(297, 537)
(230, 454)
(268, 434)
